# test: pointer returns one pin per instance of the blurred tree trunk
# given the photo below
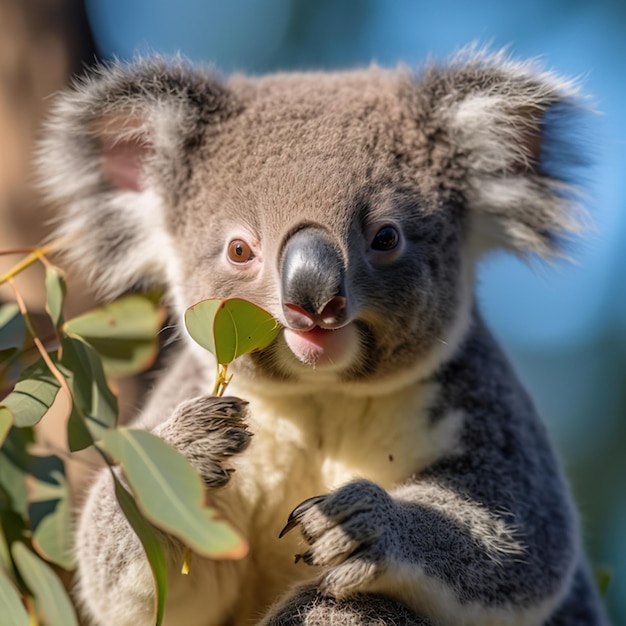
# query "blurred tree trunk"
(42, 43)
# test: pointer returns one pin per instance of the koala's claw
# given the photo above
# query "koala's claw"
(208, 430)
(348, 532)
(296, 515)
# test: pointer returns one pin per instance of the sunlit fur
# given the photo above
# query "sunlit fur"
(443, 503)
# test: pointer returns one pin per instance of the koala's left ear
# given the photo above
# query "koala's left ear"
(510, 148)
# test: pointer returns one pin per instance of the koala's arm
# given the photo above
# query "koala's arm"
(114, 580)
(486, 535)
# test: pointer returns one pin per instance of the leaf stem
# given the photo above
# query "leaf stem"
(33, 619)
(38, 343)
(33, 257)
(221, 382)
(186, 568)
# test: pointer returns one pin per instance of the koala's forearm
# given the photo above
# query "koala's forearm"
(111, 561)
(115, 582)
(488, 532)
(462, 561)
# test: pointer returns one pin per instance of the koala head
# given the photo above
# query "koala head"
(350, 205)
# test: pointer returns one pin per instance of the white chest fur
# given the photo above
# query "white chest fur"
(308, 444)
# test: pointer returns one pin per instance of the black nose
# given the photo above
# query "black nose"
(313, 281)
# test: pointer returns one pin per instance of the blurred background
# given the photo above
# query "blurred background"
(564, 326)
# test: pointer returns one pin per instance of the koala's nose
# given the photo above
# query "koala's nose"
(313, 281)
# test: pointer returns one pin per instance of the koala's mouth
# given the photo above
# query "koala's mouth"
(321, 347)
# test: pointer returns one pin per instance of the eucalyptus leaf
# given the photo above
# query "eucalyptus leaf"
(5, 558)
(230, 328)
(89, 386)
(78, 435)
(50, 596)
(14, 529)
(12, 328)
(11, 606)
(6, 421)
(16, 447)
(13, 481)
(55, 289)
(7, 354)
(53, 537)
(125, 357)
(171, 494)
(135, 316)
(603, 577)
(124, 333)
(43, 490)
(32, 396)
(150, 543)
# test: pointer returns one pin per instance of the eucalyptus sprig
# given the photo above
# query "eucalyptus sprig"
(74, 363)
(228, 328)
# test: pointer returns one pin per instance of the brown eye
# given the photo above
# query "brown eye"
(239, 252)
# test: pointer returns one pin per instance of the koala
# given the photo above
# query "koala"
(389, 468)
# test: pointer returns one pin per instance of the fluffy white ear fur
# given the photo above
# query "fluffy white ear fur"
(116, 146)
(111, 219)
(110, 148)
(515, 129)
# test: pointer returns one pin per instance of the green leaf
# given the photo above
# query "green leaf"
(33, 395)
(230, 328)
(53, 538)
(171, 494)
(50, 596)
(5, 557)
(42, 490)
(78, 435)
(5, 355)
(11, 606)
(123, 358)
(55, 288)
(124, 333)
(150, 543)
(13, 481)
(89, 387)
(13, 527)
(603, 577)
(16, 447)
(6, 421)
(12, 328)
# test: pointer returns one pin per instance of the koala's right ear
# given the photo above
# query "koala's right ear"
(116, 149)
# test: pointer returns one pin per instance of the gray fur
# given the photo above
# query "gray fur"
(208, 430)
(422, 487)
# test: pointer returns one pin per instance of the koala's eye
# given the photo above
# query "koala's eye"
(387, 238)
(239, 252)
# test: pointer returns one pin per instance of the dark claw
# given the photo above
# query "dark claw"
(296, 515)
(307, 557)
(219, 477)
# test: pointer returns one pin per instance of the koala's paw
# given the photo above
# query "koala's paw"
(350, 532)
(208, 430)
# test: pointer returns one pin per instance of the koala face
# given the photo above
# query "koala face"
(328, 228)
(351, 206)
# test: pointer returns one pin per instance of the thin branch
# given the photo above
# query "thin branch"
(40, 347)
(18, 251)
(35, 255)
